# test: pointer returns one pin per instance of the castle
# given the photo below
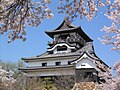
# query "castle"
(70, 53)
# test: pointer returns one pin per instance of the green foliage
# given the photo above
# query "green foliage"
(12, 67)
(7, 65)
(48, 84)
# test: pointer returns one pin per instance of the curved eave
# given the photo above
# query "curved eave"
(45, 68)
(42, 58)
(76, 29)
(59, 31)
(67, 44)
(84, 35)
(92, 57)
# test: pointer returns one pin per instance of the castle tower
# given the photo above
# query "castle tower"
(71, 52)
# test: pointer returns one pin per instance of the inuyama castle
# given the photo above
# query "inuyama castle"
(71, 52)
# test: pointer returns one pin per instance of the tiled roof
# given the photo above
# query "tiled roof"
(47, 67)
(87, 48)
(47, 56)
(65, 28)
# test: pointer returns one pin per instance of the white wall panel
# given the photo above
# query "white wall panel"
(85, 63)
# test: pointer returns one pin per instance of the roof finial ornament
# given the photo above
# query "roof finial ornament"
(67, 21)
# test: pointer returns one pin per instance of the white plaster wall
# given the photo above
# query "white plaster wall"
(49, 63)
(31, 64)
(85, 63)
(52, 73)
(61, 44)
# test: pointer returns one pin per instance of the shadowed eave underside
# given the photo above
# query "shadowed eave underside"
(67, 28)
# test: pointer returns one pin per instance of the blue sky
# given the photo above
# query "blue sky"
(37, 40)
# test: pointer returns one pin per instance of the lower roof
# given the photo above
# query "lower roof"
(36, 68)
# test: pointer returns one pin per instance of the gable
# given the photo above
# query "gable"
(85, 63)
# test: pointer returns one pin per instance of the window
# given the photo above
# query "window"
(57, 63)
(44, 64)
(69, 63)
(62, 48)
(82, 64)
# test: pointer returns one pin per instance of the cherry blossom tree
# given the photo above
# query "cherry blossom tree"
(112, 35)
(16, 14)
(10, 77)
(6, 81)
(111, 82)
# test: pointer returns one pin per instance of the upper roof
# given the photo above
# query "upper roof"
(65, 24)
(65, 27)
